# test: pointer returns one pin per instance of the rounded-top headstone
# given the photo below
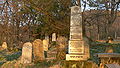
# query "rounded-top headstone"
(38, 50)
(26, 53)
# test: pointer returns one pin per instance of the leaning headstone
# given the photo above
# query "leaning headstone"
(78, 50)
(54, 37)
(4, 45)
(26, 53)
(38, 50)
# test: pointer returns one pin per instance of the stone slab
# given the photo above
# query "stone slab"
(76, 46)
(108, 55)
(112, 65)
(75, 57)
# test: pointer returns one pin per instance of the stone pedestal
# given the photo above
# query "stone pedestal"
(76, 57)
(76, 47)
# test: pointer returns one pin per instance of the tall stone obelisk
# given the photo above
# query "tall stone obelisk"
(77, 49)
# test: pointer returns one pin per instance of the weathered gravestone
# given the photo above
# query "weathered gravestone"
(38, 50)
(4, 45)
(78, 50)
(62, 41)
(61, 47)
(26, 53)
(54, 37)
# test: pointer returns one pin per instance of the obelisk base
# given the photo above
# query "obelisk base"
(76, 57)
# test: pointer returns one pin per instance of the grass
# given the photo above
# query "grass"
(97, 47)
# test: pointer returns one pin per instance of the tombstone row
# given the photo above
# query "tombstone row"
(39, 49)
(36, 49)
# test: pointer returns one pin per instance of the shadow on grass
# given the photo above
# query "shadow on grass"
(44, 64)
(13, 56)
(4, 57)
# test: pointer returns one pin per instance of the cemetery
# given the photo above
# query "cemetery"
(60, 37)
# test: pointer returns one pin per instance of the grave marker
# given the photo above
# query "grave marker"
(54, 37)
(38, 50)
(26, 53)
(77, 49)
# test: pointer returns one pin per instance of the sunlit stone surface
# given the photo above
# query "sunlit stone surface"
(77, 48)
(26, 53)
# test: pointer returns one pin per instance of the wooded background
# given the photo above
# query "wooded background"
(23, 20)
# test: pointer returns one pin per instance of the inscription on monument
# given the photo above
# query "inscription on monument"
(76, 37)
(76, 46)
(75, 21)
(75, 30)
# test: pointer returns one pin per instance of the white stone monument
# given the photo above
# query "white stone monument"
(54, 37)
(26, 53)
(77, 46)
